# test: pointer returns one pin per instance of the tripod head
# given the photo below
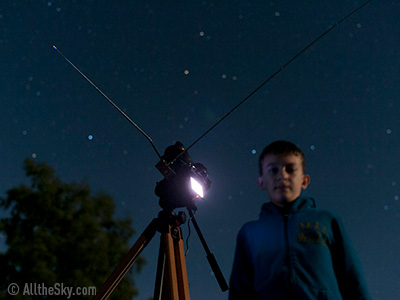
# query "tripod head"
(169, 217)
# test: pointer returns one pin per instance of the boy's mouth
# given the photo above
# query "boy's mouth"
(282, 187)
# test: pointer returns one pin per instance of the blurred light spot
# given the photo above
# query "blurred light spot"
(33, 155)
(396, 197)
(234, 78)
(358, 25)
(37, 93)
(24, 132)
(58, 9)
(30, 78)
(201, 33)
(277, 14)
(312, 147)
(90, 137)
(186, 72)
(223, 76)
(386, 207)
(253, 151)
(49, 3)
(394, 183)
(388, 131)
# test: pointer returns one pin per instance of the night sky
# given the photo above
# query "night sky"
(176, 69)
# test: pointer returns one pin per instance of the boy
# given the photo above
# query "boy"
(294, 251)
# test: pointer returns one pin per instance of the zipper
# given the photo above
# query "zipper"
(288, 260)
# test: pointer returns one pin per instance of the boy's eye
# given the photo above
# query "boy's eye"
(273, 170)
(289, 170)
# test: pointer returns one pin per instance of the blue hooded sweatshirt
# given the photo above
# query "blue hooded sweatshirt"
(301, 254)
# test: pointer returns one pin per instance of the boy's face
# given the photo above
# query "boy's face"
(283, 178)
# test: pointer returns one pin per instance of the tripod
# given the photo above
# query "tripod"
(171, 279)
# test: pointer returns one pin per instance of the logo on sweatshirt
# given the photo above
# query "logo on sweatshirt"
(311, 233)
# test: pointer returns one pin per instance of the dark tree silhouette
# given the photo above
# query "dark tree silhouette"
(58, 233)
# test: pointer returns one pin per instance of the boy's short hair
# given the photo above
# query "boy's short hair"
(281, 148)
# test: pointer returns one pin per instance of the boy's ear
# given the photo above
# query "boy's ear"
(306, 181)
(260, 182)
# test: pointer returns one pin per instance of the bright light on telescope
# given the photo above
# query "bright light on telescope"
(196, 187)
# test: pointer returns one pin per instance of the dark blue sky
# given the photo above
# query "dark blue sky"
(176, 69)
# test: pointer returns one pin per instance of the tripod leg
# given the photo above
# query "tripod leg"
(171, 280)
(166, 279)
(183, 282)
(118, 274)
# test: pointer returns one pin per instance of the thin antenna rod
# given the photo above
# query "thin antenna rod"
(278, 71)
(111, 102)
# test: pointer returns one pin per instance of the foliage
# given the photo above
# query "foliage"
(59, 233)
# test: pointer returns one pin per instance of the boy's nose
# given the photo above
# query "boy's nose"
(282, 173)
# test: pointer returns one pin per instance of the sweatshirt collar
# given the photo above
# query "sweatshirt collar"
(300, 203)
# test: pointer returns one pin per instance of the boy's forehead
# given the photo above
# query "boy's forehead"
(281, 159)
